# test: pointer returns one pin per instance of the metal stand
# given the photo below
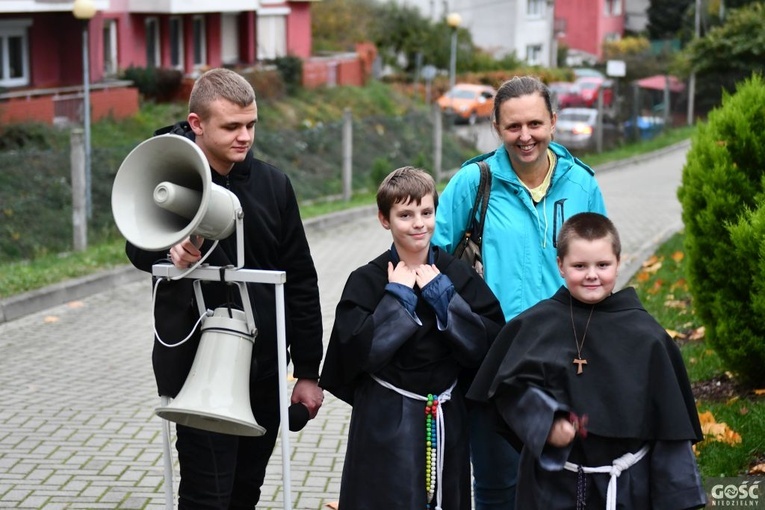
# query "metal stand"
(241, 277)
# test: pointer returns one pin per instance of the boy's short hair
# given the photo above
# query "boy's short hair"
(404, 185)
(589, 226)
(219, 83)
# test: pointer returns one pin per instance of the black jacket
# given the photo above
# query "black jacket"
(274, 239)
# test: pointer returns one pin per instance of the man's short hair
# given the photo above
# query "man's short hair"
(589, 226)
(217, 84)
(404, 185)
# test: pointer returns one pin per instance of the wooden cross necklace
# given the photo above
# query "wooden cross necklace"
(579, 361)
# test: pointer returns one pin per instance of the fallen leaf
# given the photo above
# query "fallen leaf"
(697, 334)
(678, 256)
(743, 411)
(652, 268)
(759, 469)
(657, 285)
(653, 259)
(642, 277)
(680, 284)
(75, 304)
(719, 432)
(759, 392)
(50, 319)
(675, 334)
(674, 303)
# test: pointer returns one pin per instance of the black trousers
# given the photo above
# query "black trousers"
(225, 472)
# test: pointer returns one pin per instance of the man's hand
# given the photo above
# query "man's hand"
(308, 393)
(184, 254)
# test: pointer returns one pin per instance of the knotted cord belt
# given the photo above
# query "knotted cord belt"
(623, 463)
(440, 428)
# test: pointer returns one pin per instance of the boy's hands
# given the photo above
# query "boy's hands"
(425, 273)
(184, 254)
(403, 274)
(562, 433)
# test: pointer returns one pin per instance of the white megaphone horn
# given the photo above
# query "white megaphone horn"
(163, 192)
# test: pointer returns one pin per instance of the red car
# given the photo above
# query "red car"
(567, 94)
(589, 88)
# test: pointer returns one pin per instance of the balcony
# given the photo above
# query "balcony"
(33, 6)
(191, 6)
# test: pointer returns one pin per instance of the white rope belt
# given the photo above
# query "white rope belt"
(440, 428)
(623, 463)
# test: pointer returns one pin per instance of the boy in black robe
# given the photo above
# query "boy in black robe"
(588, 379)
(410, 327)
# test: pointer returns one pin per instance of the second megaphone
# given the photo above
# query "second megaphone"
(163, 193)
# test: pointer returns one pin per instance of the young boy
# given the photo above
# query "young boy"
(410, 327)
(594, 390)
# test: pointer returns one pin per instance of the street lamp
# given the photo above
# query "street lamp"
(85, 10)
(453, 20)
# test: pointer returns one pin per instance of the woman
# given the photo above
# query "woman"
(536, 185)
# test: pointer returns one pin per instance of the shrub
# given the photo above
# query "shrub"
(159, 84)
(291, 70)
(722, 199)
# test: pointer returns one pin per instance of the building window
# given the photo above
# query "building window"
(612, 37)
(110, 47)
(272, 37)
(200, 41)
(152, 42)
(14, 53)
(176, 42)
(534, 54)
(229, 51)
(535, 8)
(613, 7)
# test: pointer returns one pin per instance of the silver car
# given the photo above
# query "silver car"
(576, 130)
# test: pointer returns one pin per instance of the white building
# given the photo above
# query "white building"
(501, 27)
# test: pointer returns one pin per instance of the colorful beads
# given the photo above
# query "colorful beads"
(431, 442)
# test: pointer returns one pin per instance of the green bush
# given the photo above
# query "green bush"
(722, 199)
(159, 84)
(291, 70)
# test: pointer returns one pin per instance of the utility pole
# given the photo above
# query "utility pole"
(692, 81)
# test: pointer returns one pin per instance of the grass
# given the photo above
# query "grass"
(25, 276)
(736, 440)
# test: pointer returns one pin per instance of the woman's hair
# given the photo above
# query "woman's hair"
(405, 184)
(216, 84)
(589, 226)
(521, 86)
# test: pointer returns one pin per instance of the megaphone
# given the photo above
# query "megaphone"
(163, 193)
(216, 394)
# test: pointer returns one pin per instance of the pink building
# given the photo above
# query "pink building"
(41, 45)
(584, 25)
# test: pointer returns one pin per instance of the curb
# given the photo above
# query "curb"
(38, 300)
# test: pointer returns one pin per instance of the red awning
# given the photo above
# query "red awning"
(658, 82)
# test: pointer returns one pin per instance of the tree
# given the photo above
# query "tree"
(666, 18)
(723, 200)
(727, 53)
(337, 25)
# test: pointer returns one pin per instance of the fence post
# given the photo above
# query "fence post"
(347, 154)
(79, 193)
(438, 130)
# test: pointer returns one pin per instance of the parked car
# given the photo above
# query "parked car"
(468, 102)
(576, 129)
(567, 95)
(589, 88)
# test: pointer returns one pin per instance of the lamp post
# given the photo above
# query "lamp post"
(453, 20)
(85, 10)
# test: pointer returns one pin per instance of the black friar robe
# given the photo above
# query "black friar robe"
(634, 391)
(374, 334)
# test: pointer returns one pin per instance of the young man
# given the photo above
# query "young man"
(594, 390)
(220, 471)
(410, 329)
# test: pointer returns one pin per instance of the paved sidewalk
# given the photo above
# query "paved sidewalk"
(77, 429)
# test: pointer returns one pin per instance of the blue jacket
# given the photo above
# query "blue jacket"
(519, 237)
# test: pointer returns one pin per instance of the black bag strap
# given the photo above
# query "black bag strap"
(484, 190)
